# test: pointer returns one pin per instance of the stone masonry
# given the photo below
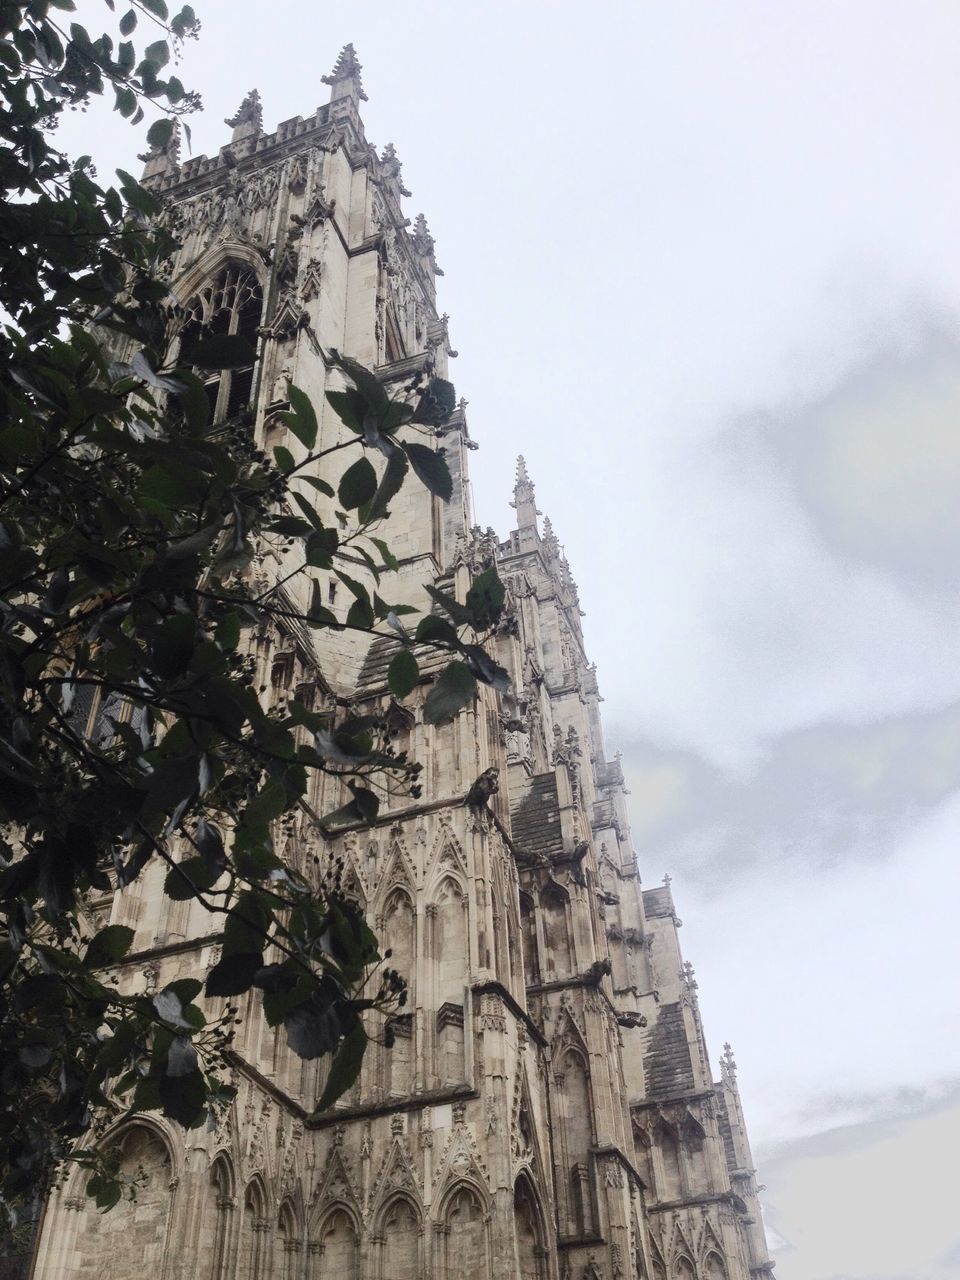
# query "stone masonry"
(548, 1108)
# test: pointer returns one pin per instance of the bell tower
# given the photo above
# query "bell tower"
(543, 1106)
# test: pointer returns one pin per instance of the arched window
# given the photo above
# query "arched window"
(713, 1268)
(252, 1261)
(465, 1238)
(694, 1149)
(577, 1138)
(683, 1269)
(401, 1239)
(672, 1187)
(222, 1187)
(133, 1235)
(528, 925)
(557, 958)
(339, 1248)
(531, 1253)
(289, 1241)
(644, 1159)
(450, 948)
(400, 936)
(232, 303)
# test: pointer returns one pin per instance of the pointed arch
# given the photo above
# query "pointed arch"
(713, 1268)
(252, 1260)
(683, 1268)
(449, 943)
(529, 1230)
(134, 1234)
(557, 959)
(465, 1220)
(400, 1221)
(531, 949)
(573, 1116)
(643, 1158)
(338, 1243)
(289, 1240)
(227, 299)
(693, 1151)
(448, 859)
(223, 1189)
(670, 1180)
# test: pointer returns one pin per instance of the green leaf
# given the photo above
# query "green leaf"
(461, 615)
(284, 459)
(234, 974)
(360, 614)
(454, 690)
(358, 484)
(403, 674)
(320, 485)
(303, 421)
(158, 52)
(431, 467)
(108, 946)
(228, 631)
(128, 22)
(434, 630)
(183, 1098)
(348, 407)
(313, 1027)
(390, 561)
(160, 133)
(437, 402)
(485, 599)
(320, 547)
(223, 351)
(390, 482)
(189, 877)
(345, 1067)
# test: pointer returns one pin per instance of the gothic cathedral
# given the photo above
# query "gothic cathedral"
(547, 1109)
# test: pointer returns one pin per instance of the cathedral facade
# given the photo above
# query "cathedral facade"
(547, 1109)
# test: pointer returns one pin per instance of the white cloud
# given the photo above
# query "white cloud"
(875, 1202)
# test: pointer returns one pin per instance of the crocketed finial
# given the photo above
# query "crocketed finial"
(250, 112)
(347, 68)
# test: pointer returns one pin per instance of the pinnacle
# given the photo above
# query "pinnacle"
(522, 477)
(249, 112)
(347, 67)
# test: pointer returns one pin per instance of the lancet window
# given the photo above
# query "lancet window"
(231, 304)
(339, 1248)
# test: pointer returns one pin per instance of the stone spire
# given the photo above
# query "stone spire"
(248, 121)
(391, 166)
(344, 80)
(551, 546)
(728, 1066)
(525, 504)
(423, 241)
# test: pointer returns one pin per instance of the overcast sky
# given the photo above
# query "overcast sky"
(702, 268)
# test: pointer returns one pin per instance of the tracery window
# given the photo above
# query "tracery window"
(231, 304)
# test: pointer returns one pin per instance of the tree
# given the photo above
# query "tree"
(130, 732)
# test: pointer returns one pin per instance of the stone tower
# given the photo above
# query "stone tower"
(548, 1108)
